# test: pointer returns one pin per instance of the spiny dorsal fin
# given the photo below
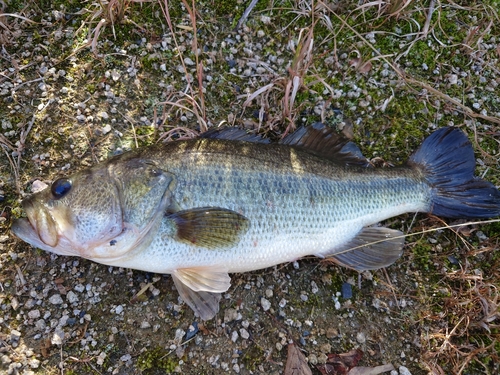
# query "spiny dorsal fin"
(373, 248)
(234, 134)
(326, 143)
(209, 227)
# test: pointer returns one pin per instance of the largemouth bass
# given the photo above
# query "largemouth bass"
(230, 202)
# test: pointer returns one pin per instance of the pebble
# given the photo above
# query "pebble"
(346, 290)
(188, 61)
(72, 297)
(56, 299)
(361, 337)
(106, 129)
(15, 335)
(230, 315)
(244, 333)
(234, 336)
(266, 305)
(404, 371)
(34, 314)
(192, 331)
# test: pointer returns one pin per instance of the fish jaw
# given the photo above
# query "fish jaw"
(23, 229)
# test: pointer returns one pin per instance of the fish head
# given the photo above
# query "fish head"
(101, 213)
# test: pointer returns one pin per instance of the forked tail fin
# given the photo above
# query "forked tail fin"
(447, 160)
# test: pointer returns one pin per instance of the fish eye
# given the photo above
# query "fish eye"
(60, 187)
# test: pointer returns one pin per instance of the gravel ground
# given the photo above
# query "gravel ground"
(74, 91)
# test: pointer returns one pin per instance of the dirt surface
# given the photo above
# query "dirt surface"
(75, 90)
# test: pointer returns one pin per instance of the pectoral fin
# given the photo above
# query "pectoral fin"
(209, 227)
(372, 248)
(201, 289)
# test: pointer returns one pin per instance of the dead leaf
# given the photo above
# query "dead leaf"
(296, 362)
(340, 364)
(371, 370)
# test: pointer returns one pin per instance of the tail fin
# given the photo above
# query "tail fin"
(447, 160)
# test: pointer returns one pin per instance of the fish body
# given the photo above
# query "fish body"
(296, 204)
(203, 208)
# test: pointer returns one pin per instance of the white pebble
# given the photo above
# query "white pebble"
(56, 299)
(244, 333)
(34, 314)
(106, 129)
(234, 336)
(266, 305)
(361, 337)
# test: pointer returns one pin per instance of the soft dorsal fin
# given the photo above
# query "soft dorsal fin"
(234, 134)
(326, 143)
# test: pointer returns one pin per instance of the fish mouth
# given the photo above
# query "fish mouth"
(23, 229)
(39, 229)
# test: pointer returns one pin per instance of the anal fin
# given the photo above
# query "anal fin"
(371, 249)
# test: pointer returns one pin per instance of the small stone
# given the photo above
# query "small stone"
(266, 305)
(361, 337)
(145, 324)
(40, 325)
(106, 129)
(56, 299)
(118, 309)
(100, 358)
(15, 335)
(188, 61)
(14, 303)
(115, 75)
(331, 333)
(312, 359)
(230, 315)
(234, 336)
(72, 297)
(404, 371)
(33, 363)
(58, 336)
(179, 334)
(104, 115)
(244, 333)
(346, 290)
(269, 293)
(192, 331)
(34, 314)
(314, 287)
(125, 358)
